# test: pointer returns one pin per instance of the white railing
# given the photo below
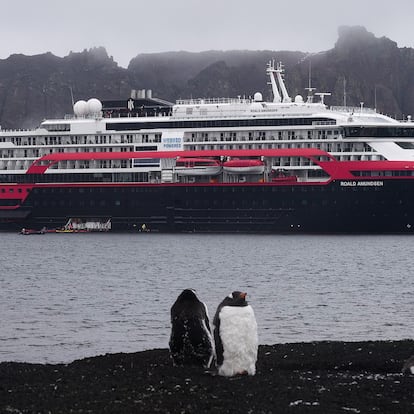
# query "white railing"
(200, 101)
(353, 109)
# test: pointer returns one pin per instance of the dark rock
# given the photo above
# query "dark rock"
(323, 377)
(376, 71)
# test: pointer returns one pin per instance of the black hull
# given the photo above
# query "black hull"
(258, 208)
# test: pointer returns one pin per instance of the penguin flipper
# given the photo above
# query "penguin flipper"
(218, 342)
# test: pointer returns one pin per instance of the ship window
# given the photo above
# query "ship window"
(405, 145)
(57, 127)
(394, 131)
(222, 123)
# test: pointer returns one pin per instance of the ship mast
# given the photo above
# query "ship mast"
(279, 71)
(271, 72)
(344, 92)
(309, 88)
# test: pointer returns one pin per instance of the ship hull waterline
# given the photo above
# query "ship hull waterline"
(253, 208)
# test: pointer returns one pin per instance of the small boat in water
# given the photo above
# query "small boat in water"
(28, 232)
(243, 166)
(197, 166)
(71, 231)
(76, 225)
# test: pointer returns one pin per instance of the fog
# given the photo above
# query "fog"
(131, 27)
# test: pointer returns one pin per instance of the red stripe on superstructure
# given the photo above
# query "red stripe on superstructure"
(54, 158)
(336, 169)
(300, 152)
(343, 169)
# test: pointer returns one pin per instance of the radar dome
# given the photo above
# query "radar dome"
(94, 106)
(80, 108)
(298, 99)
(258, 97)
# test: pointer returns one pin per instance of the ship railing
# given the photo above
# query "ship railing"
(17, 130)
(353, 109)
(90, 116)
(200, 101)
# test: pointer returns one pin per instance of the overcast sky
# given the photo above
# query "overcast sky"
(129, 27)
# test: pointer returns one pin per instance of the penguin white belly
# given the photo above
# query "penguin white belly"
(238, 333)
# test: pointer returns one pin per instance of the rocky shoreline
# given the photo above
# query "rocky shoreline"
(316, 377)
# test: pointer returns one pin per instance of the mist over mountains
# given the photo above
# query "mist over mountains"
(375, 70)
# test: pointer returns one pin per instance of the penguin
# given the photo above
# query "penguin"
(408, 367)
(235, 336)
(191, 341)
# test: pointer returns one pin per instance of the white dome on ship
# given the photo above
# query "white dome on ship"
(258, 97)
(80, 108)
(94, 106)
(298, 99)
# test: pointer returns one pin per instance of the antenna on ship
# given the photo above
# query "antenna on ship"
(344, 92)
(309, 88)
(71, 95)
(322, 96)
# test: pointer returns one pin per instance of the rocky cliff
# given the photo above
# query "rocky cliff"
(360, 68)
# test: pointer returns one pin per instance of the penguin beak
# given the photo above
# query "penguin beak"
(243, 295)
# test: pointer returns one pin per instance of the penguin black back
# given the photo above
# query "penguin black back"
(191, 342)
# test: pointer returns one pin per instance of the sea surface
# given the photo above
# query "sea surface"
(69, 296)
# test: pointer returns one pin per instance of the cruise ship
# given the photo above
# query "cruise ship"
(289, 165)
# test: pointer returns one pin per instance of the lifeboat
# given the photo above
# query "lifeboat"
(197, 166)
(237, 166)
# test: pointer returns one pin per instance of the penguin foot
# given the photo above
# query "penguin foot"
(239, 375)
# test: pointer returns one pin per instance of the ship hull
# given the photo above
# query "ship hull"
(332, 207)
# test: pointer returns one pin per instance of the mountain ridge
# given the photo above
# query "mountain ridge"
(373, 71)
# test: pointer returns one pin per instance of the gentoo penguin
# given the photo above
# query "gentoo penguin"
(235, 336)
(408, 367)
(191, 342)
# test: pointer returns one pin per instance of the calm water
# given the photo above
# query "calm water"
(68, 296)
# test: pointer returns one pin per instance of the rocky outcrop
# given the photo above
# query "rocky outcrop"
(360, 68)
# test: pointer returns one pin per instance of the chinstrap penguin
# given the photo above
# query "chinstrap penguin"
(191, 342)
(235, 336)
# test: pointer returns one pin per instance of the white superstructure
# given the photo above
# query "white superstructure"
(347, 133)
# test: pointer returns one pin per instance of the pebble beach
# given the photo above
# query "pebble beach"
(314, 377)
